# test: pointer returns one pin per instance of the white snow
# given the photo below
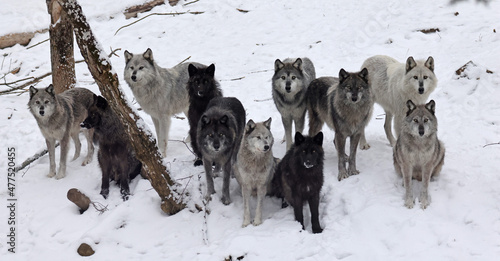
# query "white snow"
(363, 216)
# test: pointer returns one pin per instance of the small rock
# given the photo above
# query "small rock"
(85, 250)
(77, 197)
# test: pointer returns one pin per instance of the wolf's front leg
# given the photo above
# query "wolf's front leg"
(261, 194)
(407, 176)
(51, 148)
(424, 193)
(287, 125)
(210, 180)
(246, 193)
(63, 157)
(226, 200)
(340, 145)
(352, 154)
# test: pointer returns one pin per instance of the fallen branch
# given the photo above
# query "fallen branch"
(35, 80)
(491, 144)
(31, 159)
(263, 100)
(134, 10)
(173, 14)
(46, 40)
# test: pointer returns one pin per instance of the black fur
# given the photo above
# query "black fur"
(116, 155)
(202, 87)
(219, 135)
(299, 177)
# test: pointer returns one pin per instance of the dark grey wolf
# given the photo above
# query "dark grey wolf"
(116, 155)
(393, 83)
(159, 91)
(59, 117)
(202, 87)
(254, 167)
(219, 137)
(299, 177)
(345, 104)
(418, 152)
(290, 81)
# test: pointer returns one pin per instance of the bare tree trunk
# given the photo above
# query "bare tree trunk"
(61, 48)
(143, 142)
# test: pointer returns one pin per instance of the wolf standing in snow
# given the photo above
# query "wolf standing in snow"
(345, 104)
(116, 155)
(418, 153)
(254, 167)
(159, 91)
(202, 87)
(290, 81)
(59, 117)
(220, 130)
(394, 83)
(299, 177)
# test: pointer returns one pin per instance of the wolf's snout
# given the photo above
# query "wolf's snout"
(288, 88)
(201, 93)
(421, 90)
(133, 77)
(308, 164)
(85, 125)
(421, 130)
(42, 112)
(266, 147)
(354, 98)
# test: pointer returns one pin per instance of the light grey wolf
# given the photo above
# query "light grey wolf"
(290, 81)
(345, 104)
(159, 91)
(220, 131)
(393, 83)
(59, 117)
(254, 167)
(418, 153)
(116, 155)
(202, 87)
(299, 177)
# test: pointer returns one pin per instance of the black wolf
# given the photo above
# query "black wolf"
(220, 131)
(299, 177)
(116, 155)
(202, 87)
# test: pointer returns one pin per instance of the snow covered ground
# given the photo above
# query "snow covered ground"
(363, 216)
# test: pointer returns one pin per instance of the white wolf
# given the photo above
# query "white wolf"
(393, 83)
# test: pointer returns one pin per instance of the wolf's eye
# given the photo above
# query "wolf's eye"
(426, 120)
(221, 135)
(415, 120)
(131, 67)
(205, 81)
(425, 77)
(283, 77)
(258, 137)
(210, 135)
(294, 77)
(142, 67)
(37, 102)
(46, 102)
(415, 77)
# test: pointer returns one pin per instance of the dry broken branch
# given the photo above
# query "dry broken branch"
(172, 14)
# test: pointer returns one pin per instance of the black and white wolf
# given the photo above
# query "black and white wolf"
(220, 130)
(393, 83)
(418, 153)
(254, 167)
(59, 117)
(116, 155)
(202, 87)
(159, 91)
(299, 177)
(345, 104)
(290, 81)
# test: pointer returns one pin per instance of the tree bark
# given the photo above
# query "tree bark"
(141, 139)
(61, 48)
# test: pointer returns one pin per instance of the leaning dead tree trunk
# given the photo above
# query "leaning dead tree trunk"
(142, 141)
(61, 48)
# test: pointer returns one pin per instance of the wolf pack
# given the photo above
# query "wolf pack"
(223, 141)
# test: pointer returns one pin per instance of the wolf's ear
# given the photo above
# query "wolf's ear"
(50, 90)
(411, 106)
(128, 56)
(101, 102)
(33, 91)
(148, 55)
(250, 127)
(299, 138)
(298, 64)
(278, 65)
(364, 75)
(268, 123)
(318, 139)
(430, 63)
(431, 106)
(410, 64)
(204, 120)
(192, 70)
(223, 119)
(210, 70)
(343, 75)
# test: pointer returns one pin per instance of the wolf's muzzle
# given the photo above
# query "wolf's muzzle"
(421, 130)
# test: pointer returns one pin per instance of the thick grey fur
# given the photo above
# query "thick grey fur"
(418, 153)
(345, 104)
(393, 83)
(59, 117)
(290, 81)
(161, 92)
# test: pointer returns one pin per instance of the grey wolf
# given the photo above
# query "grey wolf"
(393, 83)
(254, 167)
(59, 117)
(418, 153)
(219, 135)
(160, 92)
(345, 104)
(290, 81)
(202, 87)
(299, 177)
(116, 155)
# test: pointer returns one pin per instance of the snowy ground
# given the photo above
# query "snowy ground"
(363, 216)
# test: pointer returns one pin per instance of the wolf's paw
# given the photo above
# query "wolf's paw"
(86, 161)
(409, 203)
(257, 222)
(51, 174)
(424, 201)
(353, 172)
(246, 222)
(225, 200)
(105, 193)
(364, 146)
(317, 230)
(343, 175)
(208, 197)
(198, 162)
(61, 175)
